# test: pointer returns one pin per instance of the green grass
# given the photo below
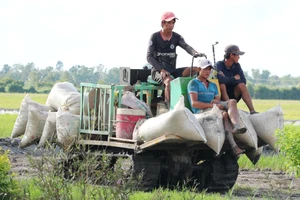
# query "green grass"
(290, 107)
(33, 192)
(7, 122)
(13, 100)
(275, 162)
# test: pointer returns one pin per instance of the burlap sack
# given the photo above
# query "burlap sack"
(212, 124)
(64, 95)
(266, 123)
(254, 155)
(249, 137)
(21, 121)
(49, 131)
(34, 127)
(67, 128)
(180, 122)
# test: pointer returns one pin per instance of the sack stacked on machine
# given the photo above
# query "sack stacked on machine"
(180, 121)
(212, 124)
(67, 128)
(266, 123)
(64, 95)
(254, 155)
(249, 137)
(130, 100)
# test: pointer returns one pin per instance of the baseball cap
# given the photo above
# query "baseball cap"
(204, 63)
(233, 49)
(168, 16)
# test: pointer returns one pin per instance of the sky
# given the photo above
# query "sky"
(115, 33)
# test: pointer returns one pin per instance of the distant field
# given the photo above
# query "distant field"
(13, 100)
(290, 108)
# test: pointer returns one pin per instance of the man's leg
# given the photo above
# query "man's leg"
(242, 90)
(187, 71)
(234, 117)
(228, 134)
(167, 82)
(224, 95)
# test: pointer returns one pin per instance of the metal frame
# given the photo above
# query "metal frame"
(99, 103)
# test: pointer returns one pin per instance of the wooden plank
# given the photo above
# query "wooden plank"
(106, 143)
(159, 140)
(88, 131)
(122, 139)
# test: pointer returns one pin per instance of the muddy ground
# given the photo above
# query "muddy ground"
(251, 184)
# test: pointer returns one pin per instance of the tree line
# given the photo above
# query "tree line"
(20, 78)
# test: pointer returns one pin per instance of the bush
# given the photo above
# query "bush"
(30, 90)
(8, 186)
(80, 174)
(289, 145)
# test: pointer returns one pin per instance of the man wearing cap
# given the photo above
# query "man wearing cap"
(203, 95)
(231, 77)
(161, 53)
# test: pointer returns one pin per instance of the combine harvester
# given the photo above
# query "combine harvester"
(167, 157)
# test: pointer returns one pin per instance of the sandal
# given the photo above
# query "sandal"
(238, 130)
(237, 151)
(253, 112)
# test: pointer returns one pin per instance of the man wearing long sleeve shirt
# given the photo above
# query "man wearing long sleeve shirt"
(161, 53)
(231, 77)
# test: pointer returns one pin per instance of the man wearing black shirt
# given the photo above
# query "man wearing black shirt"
(231, 77)
(161, 53)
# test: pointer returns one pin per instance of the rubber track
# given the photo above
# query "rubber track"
(224, 173)
(150, 167)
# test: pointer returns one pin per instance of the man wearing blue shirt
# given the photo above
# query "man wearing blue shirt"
(231, 77)
(203, 95)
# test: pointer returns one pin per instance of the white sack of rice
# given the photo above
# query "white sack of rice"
(34, 127)
(67, 128)
(66, 96)
(249, 138)
(254, 155)
(135, 134)
(180, 121)
(266, 123)
(49, 131)
(21, 121)
(212, 124)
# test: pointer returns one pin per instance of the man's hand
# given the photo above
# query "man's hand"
(196, 55)
(215, 101)
(164, 73)
(220, 106)
(221, 73)
(237, 77)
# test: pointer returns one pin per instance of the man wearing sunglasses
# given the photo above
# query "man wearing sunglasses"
(161, 54)
(231, 77)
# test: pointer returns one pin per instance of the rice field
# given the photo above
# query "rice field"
(290, 107)
(13, 100)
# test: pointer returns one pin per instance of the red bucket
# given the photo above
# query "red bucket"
(126, 120)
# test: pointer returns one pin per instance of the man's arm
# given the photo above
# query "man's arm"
(151, 54)
(242, 76)
(222, 75)
(185, 46)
